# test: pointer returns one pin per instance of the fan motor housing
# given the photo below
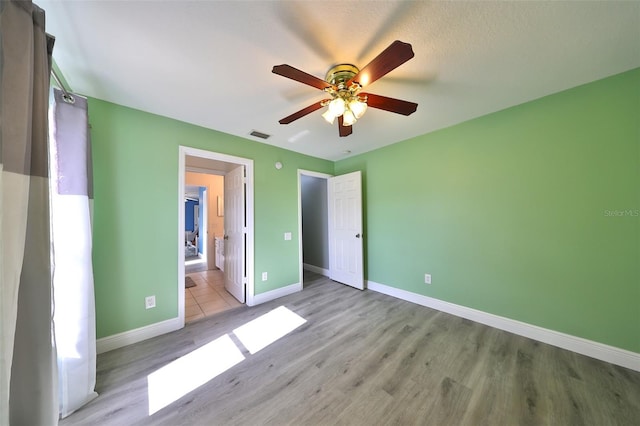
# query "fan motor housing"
(339, 74)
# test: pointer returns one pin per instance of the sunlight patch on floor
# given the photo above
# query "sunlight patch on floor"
(174, 380)
(194, 261)
(266, 329)
(185, 374)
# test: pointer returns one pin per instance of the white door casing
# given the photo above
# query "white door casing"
(217, 163)
(345, 229)
(234, 230)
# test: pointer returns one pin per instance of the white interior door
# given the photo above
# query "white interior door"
(345, 229)
(203, 226)
(234, 233)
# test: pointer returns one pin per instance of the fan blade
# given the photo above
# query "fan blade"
(390, 104)
(342, 129)
(301, 76)
(391, 58)
(302, 112)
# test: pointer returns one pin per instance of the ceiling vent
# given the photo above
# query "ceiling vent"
(260, 135)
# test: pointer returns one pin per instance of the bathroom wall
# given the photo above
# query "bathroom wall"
(215, 188)
(189, 222)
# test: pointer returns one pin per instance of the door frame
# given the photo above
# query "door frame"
(183, 151)
(302, 172)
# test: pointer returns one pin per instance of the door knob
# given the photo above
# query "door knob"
(357, 235)
(226, 237)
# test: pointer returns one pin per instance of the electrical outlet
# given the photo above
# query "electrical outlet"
(427, 278)
(287, 236)
(264, 276)
(150, 302)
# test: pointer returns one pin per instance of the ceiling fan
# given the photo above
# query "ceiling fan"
(344, 83)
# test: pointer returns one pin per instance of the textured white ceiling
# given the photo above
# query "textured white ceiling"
(209, 62)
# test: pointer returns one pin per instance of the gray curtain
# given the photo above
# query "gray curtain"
(28, 377)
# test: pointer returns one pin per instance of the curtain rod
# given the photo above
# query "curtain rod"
(66, 96)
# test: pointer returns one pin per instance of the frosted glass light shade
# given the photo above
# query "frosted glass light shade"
(337, 107)
(329, 116)
(348, 118)
(358, 108)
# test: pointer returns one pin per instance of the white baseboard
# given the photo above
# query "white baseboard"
(277, 293)
(120, 340)
(316, 269)
(582, 346)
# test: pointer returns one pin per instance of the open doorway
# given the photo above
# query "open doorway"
(342, 243)
(205, 187)
(313, 220)
(226, 270)
(197, 222)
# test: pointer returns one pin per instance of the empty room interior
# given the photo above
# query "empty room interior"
(357, 212)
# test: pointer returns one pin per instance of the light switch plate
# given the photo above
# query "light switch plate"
(287, 236)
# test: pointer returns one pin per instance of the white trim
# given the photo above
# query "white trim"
(277, 293)
(302, 172)
(314, 174)
(316, 269)
(205, 171)
(582, 346)
(181, 182)
(130, 337)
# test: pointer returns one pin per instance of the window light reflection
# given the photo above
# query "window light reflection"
(266, 329)
(187, 373)
(174, 380)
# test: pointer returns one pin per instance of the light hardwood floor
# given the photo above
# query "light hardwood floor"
(363, 358)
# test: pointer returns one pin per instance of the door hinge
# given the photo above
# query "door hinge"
(244, 280)
(245, 230)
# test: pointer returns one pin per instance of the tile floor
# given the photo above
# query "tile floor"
(208, 297)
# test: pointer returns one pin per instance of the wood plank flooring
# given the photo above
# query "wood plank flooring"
(363, 358)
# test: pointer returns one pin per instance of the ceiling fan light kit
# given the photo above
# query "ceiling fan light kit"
(344, 83)
(345, 101)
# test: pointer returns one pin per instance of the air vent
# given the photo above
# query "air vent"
(260, 135)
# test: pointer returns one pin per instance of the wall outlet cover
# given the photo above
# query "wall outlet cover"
(427, 278)
(265, 276)
(287, 236)
(150, 302)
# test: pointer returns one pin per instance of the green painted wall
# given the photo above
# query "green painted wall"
(530, 213)
(135, 213)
